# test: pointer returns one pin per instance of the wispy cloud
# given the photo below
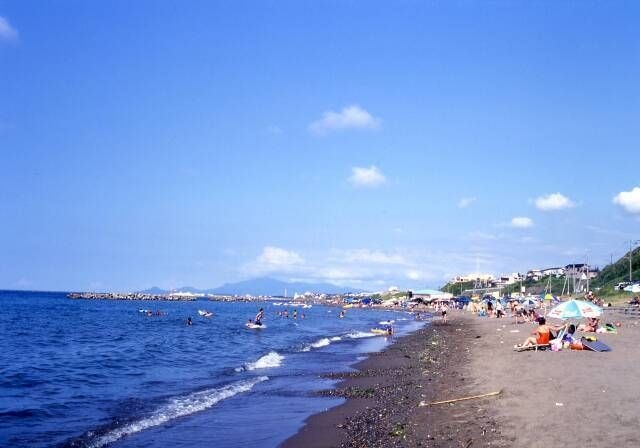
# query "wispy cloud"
(366, 177)
(521, 222)
(351, 117)
(481, 236)
(371, 256)
(629, 200)
(274, 130)
(553, 201)
(465, 202)
(7, 32)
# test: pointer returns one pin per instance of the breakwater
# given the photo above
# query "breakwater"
(126, 296)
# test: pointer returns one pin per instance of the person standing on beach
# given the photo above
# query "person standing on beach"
(444, 313)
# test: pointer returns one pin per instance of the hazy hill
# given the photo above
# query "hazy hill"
(261, 286)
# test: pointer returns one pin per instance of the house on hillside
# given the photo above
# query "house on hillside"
(507, 279)
(557, 272)
(534, 275)
(581, 270)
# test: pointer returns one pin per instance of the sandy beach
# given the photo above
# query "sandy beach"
(546, 398)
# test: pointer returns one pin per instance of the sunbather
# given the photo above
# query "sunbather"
(541, 336)
(591, 326)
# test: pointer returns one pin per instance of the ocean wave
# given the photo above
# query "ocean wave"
(272, 359)
(360, 335)
(336, 338)
(318, 344)
(321, 343)
(177, 407)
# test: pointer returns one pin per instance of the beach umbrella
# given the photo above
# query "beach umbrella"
(575, 309)
(548, 297)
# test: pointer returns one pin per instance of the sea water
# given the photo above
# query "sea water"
(93, 373)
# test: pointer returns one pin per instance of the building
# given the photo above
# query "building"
(534, 275)
(472, 277)
(557, 272)
(581, 270)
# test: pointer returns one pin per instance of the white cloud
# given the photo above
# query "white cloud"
(629, 200)
(414, 275)
(521, 222)
(366, 177)
(351, 117)
(465, 202)
(278, 258)
(7, 32)
(554, 201)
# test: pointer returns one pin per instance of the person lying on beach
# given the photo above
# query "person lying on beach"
(541, 336)
(591, 326)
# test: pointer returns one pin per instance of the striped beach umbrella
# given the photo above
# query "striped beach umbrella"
(575, 309)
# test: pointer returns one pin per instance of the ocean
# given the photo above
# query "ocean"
(93, 373)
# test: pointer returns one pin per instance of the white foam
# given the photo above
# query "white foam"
(360, 335)
(321, 343)
(386, 322)
(178, 407)
(272, 359)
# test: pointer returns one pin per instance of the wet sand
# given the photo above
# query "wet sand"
(547, 398)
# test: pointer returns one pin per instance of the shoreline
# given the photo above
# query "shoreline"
(577, 398)
(383, 396)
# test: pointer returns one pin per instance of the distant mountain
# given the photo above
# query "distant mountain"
(260, 287)
(271, 287)
(154, 290)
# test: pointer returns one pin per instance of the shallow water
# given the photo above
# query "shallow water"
(83, 373)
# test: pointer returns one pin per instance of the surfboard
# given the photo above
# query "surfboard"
(255, 327)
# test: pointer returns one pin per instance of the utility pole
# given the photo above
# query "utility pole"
(588, 271)
(631, 244)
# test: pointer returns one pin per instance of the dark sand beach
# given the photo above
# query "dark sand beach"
(567, 398)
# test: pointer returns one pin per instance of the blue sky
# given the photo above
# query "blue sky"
(362, 143)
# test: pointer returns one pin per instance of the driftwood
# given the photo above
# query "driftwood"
(473, 397)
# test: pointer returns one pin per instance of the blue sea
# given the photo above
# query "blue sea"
(93, 373)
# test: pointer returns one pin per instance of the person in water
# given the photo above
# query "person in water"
(259, 316)
(189, 321)
(295, 314)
